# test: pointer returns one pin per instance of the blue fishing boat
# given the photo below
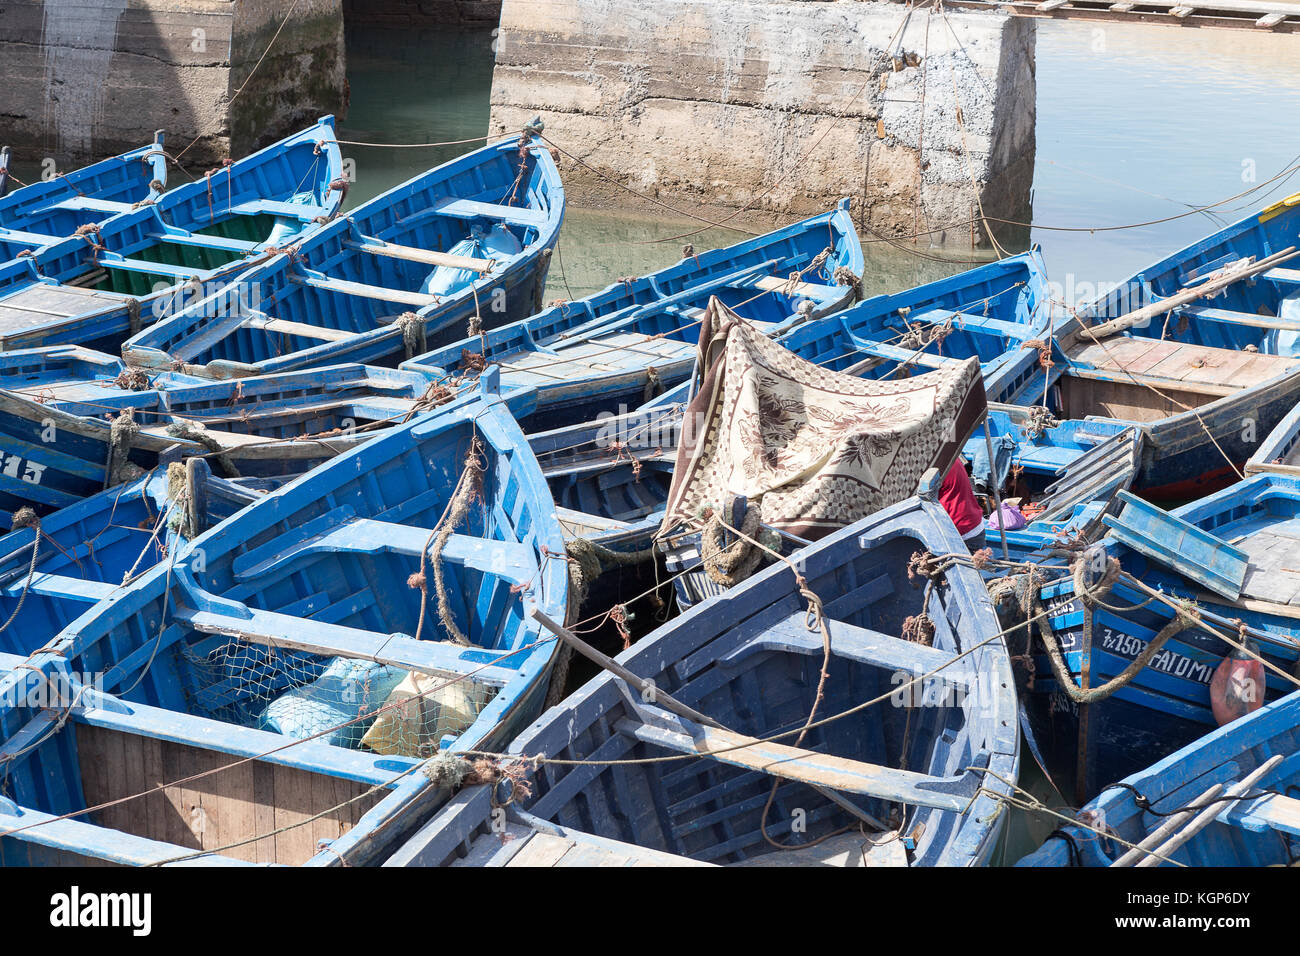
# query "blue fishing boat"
(55, 208)
(468, 243)
(65, 437)
(1223, 800)
(1226, 568)
(118, 275)
(1199, 348)
(617, 348)
(321, 644)
(55, 568)
(915, 779)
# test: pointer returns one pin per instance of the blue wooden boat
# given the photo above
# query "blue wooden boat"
(65, 440)
(1238, 780)
(55, 208)
(468, 241)
(86, 552)
(616, 348)
(282, 624)
(931, 775)
(1191, 347)
(1167, 704)
(131, 268)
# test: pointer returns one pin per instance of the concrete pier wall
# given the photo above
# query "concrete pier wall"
(780, 105)
(423, 13)
(85, 78)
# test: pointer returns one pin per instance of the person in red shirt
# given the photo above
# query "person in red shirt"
(958, 499)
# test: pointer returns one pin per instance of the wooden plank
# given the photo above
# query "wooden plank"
(1181, 12)
(542, 849)
(298, 328)
(1269, 20)
(391, 250)
(361, 290)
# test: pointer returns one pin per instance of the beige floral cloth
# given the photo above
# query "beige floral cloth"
(816, 449)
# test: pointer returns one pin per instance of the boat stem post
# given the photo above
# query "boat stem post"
(997, 492)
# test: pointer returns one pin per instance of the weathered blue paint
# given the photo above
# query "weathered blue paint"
(1258, 830)
(1167, 704)
(614, 349)
(126, 269)
(749, 661)
(345, 288)
(90, 549)
(54, 208)
(319, 569)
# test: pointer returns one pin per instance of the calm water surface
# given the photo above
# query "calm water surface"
(1135, 123)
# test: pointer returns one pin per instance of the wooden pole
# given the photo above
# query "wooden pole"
(1208, 815)
(1155, 837)
(1186, 296)
(669, 703)
(997, 492)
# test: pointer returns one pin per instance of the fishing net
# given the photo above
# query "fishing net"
(344, 701)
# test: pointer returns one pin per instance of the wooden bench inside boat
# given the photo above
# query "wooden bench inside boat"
(1115, 377)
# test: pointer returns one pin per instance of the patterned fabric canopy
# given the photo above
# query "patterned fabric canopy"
(814, 449)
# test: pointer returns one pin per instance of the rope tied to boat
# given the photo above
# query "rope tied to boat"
(132, 379)
(923, 564)
(1039, 420)
(196, 432)
(845, 276)
(91, 229)
(1186, 615)
(413, 338)
(121, 434)
(588, 560)
(25, 517)
(469, 489)
(729, 564)
(472, 361)
(183, 520)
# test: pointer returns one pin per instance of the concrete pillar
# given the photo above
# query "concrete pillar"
(782, 105)
(86, 78)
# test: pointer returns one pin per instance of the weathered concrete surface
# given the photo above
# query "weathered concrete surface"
(423, 13)
(86, 78)
(780, 105)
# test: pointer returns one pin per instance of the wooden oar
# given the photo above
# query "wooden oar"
(1208, 815)
(1165, 829)
(662, 699)
(1186, 296)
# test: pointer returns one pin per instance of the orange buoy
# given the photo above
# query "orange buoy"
(1237, 688)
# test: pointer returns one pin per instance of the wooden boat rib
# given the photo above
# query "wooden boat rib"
(749, 662)
(55, 208)
(1234, 788)
(247, 641)
(342, 294)
(133, 267)
(605, 351)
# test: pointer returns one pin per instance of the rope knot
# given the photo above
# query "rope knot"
(923, 564)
